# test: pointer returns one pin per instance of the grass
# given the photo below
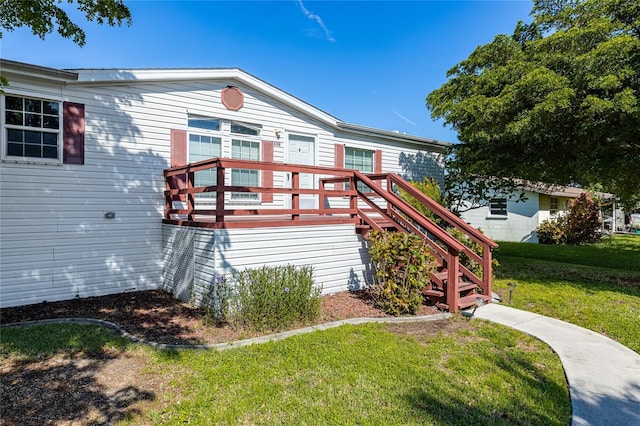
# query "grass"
(53, 339)
(595, 286)
(473, 373)
(483, 374)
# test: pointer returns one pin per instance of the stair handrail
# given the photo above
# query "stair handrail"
(408, 210)
(442, 212)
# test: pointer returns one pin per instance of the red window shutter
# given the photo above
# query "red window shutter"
(339, 162)
(179, 158)
(72, 133)
(267, 175)
(377, 161)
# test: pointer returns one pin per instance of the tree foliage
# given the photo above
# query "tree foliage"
(45, 16)
(557, 101)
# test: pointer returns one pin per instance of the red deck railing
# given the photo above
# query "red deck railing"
(377, 208)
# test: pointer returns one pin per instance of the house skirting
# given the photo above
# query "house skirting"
(194, 257)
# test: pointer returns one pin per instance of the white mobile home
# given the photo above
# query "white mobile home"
(82, 190)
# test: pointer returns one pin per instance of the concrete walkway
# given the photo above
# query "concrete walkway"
(603, 375)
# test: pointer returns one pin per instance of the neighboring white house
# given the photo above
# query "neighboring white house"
(81, 176)
(505, 219)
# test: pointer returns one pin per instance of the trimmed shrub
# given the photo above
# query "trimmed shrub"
(552, 231)
(402, 263)
(581, 224)
(275, 297)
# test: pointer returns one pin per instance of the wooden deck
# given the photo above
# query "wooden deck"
(454, 287)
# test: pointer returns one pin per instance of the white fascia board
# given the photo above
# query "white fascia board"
(123, 76)
(35, 72)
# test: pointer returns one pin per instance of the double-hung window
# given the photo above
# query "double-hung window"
(245, 145)
(204, 143)
(32, 128)
(498, 207)
(553, 207)
(359, 159)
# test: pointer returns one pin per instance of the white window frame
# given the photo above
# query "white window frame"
(4, 138)
(201, 131)
(362, 187)
(246, 197)
(553, 206)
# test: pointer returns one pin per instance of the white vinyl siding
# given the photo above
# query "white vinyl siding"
(57, 243)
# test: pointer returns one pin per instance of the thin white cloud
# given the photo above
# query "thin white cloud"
(318, 19)
(403, 117)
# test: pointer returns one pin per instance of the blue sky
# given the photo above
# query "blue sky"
(365, 62)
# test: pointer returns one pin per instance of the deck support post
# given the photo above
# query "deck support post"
(295, 195)
(453, 267)
(219, 194)
(487, 270)
(191, 203)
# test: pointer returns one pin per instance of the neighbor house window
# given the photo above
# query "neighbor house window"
(32, 128)
(553, 207)
(498, 207)
(245, 148)
(361, 160)
(204, 143)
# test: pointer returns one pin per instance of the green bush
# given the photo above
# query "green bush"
(274, 298)
(216, 301)
(581, 224)
(552, 231)
(402, 263)
(583, 221)
(431, 189)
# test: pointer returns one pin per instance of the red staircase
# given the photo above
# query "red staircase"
(453, 286)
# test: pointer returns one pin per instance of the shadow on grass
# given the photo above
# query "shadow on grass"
(588, 278)
(57, 391)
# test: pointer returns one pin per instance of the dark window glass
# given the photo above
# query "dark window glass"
(205, 123)
(50, 122)
(33, 120)
(32, 150)
(242, 129)
(15, 149)
(14, 117)
(52, 108)
(32, 105)
(499, 206)
(32, 137)
(15, 135)
(11, 102)
(49, 152)
(50, 139)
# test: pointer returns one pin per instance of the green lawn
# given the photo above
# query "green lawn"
(471, 373)
(595, 286)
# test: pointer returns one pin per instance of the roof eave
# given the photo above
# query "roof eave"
(389, 135)
(20, 69)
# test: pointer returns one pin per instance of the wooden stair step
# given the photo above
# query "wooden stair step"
(466, 286)
(468, 301)
(433, 292)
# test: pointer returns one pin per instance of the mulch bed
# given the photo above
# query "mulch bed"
(157, 316)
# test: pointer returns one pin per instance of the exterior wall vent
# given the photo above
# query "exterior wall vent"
(232, 98)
